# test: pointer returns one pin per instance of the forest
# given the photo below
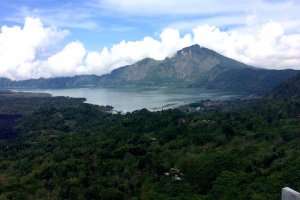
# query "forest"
(82, 151)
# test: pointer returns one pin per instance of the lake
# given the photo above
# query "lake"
(128, 100)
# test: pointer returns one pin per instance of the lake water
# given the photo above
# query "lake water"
(127, 100)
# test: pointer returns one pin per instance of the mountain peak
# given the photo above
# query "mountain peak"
(193, 48)
(146, 61)
(196, 50)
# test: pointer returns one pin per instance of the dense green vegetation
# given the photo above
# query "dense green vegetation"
(82, 152)
(27, 103)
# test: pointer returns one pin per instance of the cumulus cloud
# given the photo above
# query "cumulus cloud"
(269, 46)
(129, 52)
(19, 47)
(266, 45)
(68, 61)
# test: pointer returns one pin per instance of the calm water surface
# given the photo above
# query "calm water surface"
(127, 100)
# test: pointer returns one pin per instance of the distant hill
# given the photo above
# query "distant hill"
(52, 83)
(193, 66)
(288, 89)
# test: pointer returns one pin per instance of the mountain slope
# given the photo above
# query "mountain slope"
(193, 66)
(198, 67)
(46, 83)
(187, 66)
(288, 89)
(251, 80)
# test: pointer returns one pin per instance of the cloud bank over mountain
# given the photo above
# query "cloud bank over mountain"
(24, 50)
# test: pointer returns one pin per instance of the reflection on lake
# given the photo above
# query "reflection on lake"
(127, 100)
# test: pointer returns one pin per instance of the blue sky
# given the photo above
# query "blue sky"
(99, 23)
(95, 26)
(264, 33)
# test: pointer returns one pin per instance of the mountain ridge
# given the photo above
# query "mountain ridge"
(192, 66)
(186, 65)
(197, 66)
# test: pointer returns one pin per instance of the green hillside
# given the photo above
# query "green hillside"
(82, 152)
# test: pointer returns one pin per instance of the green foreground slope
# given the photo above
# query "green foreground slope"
(82, 152)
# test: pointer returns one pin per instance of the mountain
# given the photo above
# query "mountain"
(288, 89)
(189, 66)
(196, 66)
(193, 66)
(47, 83)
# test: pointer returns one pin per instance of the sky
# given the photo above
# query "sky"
(50, 38)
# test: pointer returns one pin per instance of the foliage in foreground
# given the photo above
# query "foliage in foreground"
(84, 153)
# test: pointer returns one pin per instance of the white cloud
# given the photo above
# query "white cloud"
(187, 14)
(267, 45)
(19, 47)
(68, 61)
(129, 52)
